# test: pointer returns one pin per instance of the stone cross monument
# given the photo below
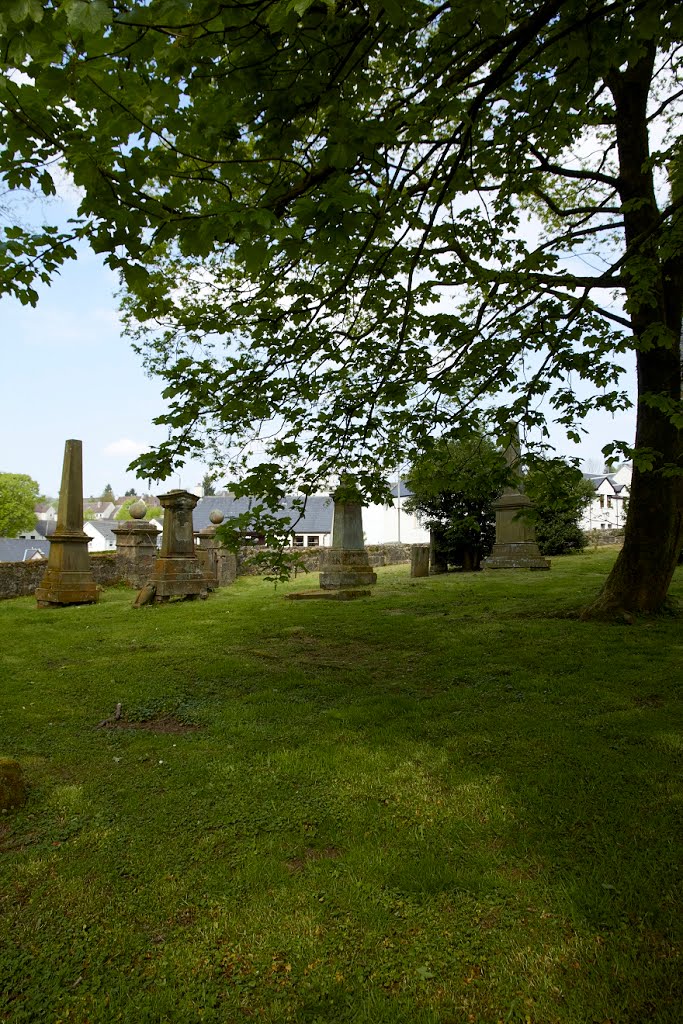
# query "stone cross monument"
(68, 578)
(516, 546)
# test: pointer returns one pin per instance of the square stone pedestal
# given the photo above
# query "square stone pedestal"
(340, 569)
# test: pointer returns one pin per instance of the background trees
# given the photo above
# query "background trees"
(18, 497)
(559, 494)
(453, 487)
(153, 512)
(326, 220)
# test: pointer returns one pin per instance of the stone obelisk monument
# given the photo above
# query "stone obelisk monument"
(345, 564)
(68, 578)
(516, 546)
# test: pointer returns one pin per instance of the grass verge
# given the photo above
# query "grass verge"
(449, 802)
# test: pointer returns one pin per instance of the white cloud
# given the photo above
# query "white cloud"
(124, 446)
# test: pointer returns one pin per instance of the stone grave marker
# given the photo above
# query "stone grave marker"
(177, 571)
(419, 560)
(515, 546)
(68, 578)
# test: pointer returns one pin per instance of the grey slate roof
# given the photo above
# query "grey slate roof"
(317, 517)
(405, 490)
(45, 527)
(597, 479)
(17, 550)
(105, 526)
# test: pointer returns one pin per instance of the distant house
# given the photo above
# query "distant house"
(382, 524)
(45, 511)
(42, 529)
(100, 509)
(313, 529)
(101, 532)
(607, 510)
(17, 549)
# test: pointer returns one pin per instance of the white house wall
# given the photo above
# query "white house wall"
(98, 542)
(610, 515)
(387, 524)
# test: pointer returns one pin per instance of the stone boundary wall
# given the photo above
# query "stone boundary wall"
(20, 579)
(309, 558)
(601, 538)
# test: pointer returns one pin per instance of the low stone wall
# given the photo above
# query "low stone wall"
(110, 569)
(600, 538)
(20, 579)
(388, 554)
(309, 558)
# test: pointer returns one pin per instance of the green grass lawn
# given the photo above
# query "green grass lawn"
(449, 802)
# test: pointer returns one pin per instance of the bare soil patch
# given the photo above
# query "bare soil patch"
(160, 723)
(297, 864)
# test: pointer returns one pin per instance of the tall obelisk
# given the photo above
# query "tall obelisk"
(68, 578)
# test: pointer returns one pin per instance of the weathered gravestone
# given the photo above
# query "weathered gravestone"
(419, 559)
(68, 578)
(515, 546)
(207, 551)
(177, 571)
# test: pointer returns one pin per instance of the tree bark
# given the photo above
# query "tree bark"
(642, 574)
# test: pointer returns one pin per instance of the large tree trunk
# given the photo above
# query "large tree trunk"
(641, 576)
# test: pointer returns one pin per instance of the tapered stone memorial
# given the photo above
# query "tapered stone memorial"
(345, 565)
(516, 546)
(68, 578)
(177, 571)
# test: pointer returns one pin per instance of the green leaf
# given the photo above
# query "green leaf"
(88, 16)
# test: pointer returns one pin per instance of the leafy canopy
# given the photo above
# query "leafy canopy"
(326, 214)
(18, 496)
(560, 494)
(453, 487)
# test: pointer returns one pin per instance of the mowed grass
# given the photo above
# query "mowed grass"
(449, 802)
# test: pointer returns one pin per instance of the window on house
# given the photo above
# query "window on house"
(609, 503)
(298, 540)
(603, 526)
(313, 542)
(602, 501)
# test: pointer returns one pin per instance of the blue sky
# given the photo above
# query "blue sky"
(68, 372)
